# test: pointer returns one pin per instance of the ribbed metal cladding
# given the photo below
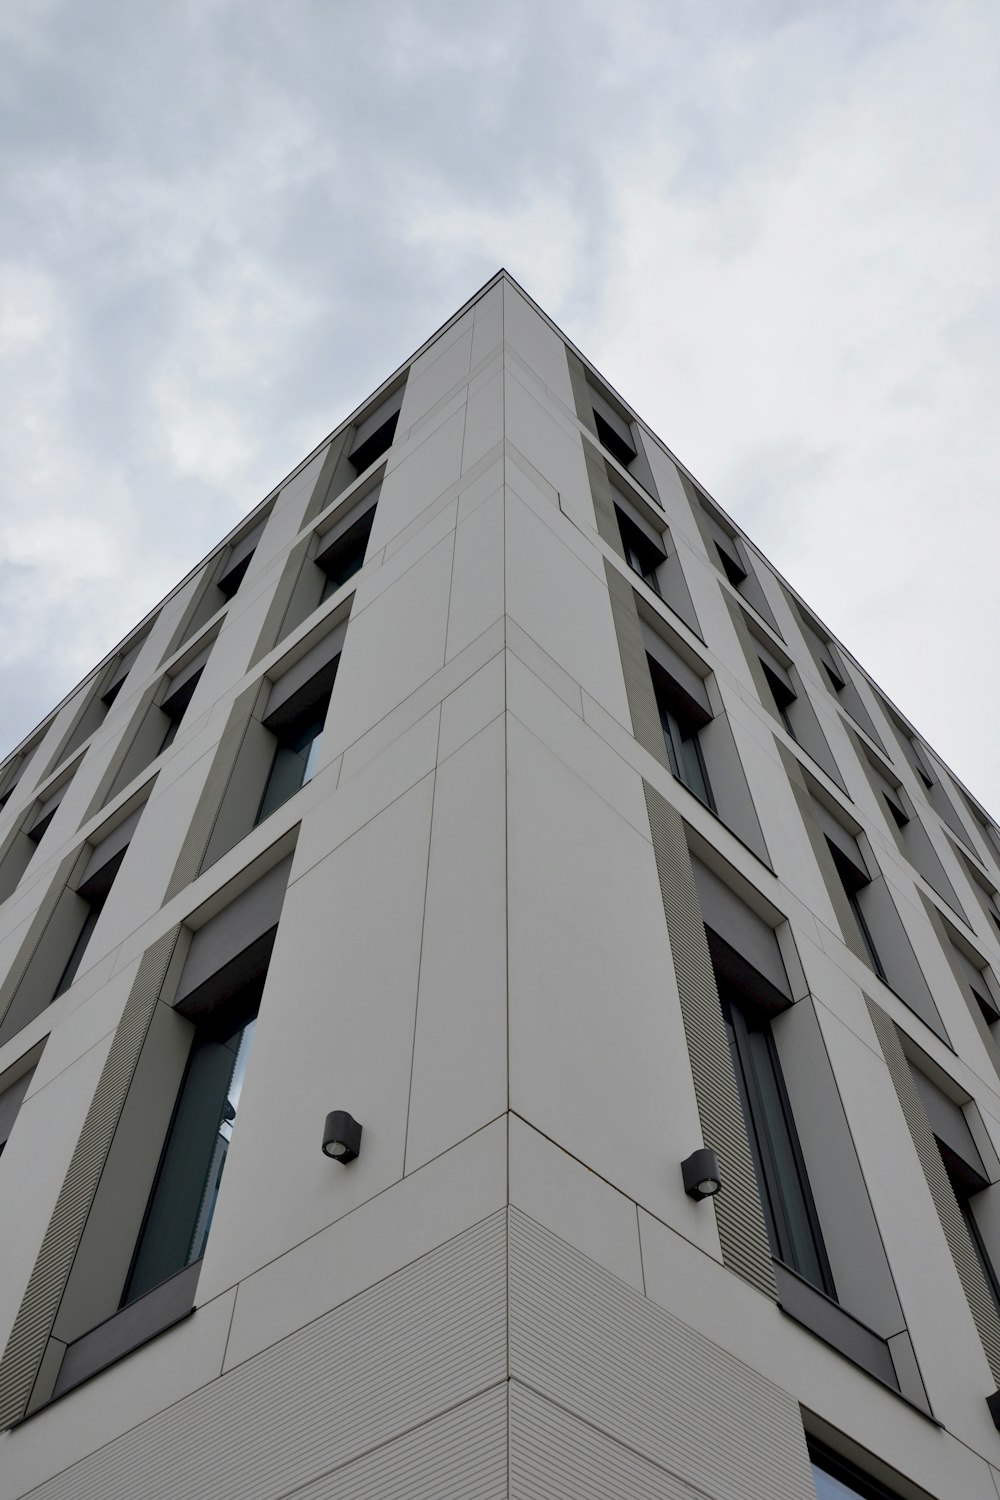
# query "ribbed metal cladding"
(270, 631)
(460, 1456)
(604, 505)
(555, 1457)
(35, 934)
(638, 684)
(738, 1211)
(967, 1265)
(613, 1359)
(417, 1345)
(202, 825)
(35, 1318)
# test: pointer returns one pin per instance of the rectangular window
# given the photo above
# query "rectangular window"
(238, 559)
(789, 1211)
(642, 553)
(373, 433)
(618, 435)
(683, 713)
(342, 549)
(93, 889)
(782, 692)
(963, 1164)
(295, 715)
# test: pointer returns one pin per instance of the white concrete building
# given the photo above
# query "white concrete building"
(489, 786)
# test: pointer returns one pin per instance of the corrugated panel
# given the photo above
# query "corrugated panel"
(460, 1456)
(967, 1265)
(40, 1304)
(555, 1457)
(623, 1364)
(202, 825)
(420, 1342)
(638, 684)
(36, 931)
(738, 1211)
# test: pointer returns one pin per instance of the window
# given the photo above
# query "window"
(342, 549)
(789, 1211)
(883, 937)
(180, 691)
(237, 560)
(139, 1258)
(618, 435)
(92, 890)
(642, 554)
(729, 554)
(295, 716)
(836, 1479)
(121, 669)
(907, 829)
(181, 1206)
(373, 434)
(782, 692)
(296, 755)
(854, 877)
(962, 1163)
(682, 715)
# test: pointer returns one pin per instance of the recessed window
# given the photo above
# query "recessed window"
(854, 878)
(11, 1099)
(682, 717)
(642, 554)
(295, 757)
(238, 559)
(836, 1479)
(342, 552)
(789, 1212)
(782, 692)
(373, 434)
(182, 1204)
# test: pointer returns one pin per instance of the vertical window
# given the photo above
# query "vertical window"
(682, 716)
(642, 553)
(342, 550)
(182, 1203)
(295, 715)
(854, 877)
(782, 692)
(373, 434)
(238, 559)
(295, 756)
(789, 1211)
(92, 891)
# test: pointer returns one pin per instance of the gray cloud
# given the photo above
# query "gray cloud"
(770, 226)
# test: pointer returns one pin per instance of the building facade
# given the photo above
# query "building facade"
(487, 790)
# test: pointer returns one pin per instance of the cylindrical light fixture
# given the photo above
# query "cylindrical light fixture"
(701, 1174)
(341, 1136)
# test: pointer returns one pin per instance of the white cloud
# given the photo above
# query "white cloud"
(769, 226)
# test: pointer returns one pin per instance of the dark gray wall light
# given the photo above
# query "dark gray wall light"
(701, 1174)
(341, 1136)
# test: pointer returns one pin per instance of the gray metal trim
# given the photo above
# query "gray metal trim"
(581, 391)
(36, 1316)
(604, 505)
(829, 1321)
(133, 1326)
(638, 683)
(738, 1211)
(967, 1265)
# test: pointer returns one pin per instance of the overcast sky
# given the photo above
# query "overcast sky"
(774, 227)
